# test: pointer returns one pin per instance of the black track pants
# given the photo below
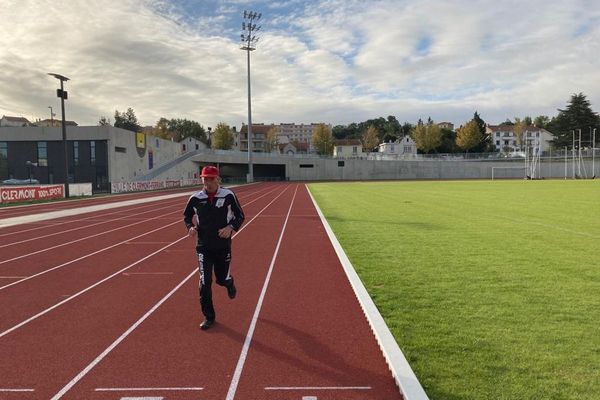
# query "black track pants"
(210, 260)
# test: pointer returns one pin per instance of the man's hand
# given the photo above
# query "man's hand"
(225, 233)
(192, 231)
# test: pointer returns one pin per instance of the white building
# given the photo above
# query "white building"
(14, 121)
(505, 139)
(347, 148)
(401, 147)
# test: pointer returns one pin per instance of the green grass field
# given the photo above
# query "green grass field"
(492, 289)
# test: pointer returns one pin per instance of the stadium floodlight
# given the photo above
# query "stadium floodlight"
(248, 44)
(62, 93)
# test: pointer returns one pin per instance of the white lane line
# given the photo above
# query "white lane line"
(318, 388)
(13, 277)
(86, 256)
(16, 390)
(240, 365)
(147, 273)
(136, 324)
(147, 389)
(143, 398)
(85, 238)
(47, 310)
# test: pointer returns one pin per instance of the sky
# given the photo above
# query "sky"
(332, 61)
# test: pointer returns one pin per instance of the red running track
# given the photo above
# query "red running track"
(119, 320)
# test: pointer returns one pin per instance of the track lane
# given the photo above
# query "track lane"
(312, 338)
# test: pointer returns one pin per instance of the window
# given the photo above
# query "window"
(306, 165)
(120, 149)
(408, 149)
(506, 142)
(157, 143)
(497, 143)
(42, 150)
(4, 149)
(76, 153)
(354, 149)
(197, 146)
(184, 147)
(92, 153)
(341, 163)
(497, 134)
(339, 149)
(392, 148)
(528, 134)
(537, 134)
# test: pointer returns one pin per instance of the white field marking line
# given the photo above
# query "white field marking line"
(174, 389)
(51, 225)
(318, 388)
(246, 347)
(47, 310)
(102, 355)
(85, 238)
(13, 277)
(398, 364)
(26, 278)
(558, 228)
(82, 227)
(16, 390)
(114, 245)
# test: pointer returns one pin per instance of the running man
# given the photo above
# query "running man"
(218, 214)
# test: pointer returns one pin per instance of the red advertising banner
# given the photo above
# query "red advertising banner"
(13, 194)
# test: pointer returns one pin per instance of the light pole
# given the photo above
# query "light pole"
(51, 116)
(594, 155)
(248, 44)
(29, 165)
(63, 96)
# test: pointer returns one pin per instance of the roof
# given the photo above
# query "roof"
(15, 119)
(257, 128)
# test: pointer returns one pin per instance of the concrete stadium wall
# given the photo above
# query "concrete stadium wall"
(297, 169)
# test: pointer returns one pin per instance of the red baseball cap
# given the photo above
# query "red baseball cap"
(210, 171)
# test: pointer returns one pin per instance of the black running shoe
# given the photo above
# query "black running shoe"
(206, 324)
(231, 291)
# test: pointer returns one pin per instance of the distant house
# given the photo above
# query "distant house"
(14, 121)
(57, 123)
(446, 125)
(347, 148)
(505, 140)
(403, 146)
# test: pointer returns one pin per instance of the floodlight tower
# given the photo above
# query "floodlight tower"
(248, 43)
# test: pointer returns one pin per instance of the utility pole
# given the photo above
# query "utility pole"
(249, 40)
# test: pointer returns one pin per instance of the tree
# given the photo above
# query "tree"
(322, 139)
(448, 144)
(370, 139)
(577, 115)
(127, 120)
(519, 131)
(485, 145)
(184, 128)
(468, 136)
(272, 140)
(527, 120)
(427, 137)
(104, 121)
(541, 121)
(222, 138)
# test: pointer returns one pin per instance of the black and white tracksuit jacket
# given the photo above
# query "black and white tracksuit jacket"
(224, 210)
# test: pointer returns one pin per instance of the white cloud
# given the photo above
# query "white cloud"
(333, 61)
